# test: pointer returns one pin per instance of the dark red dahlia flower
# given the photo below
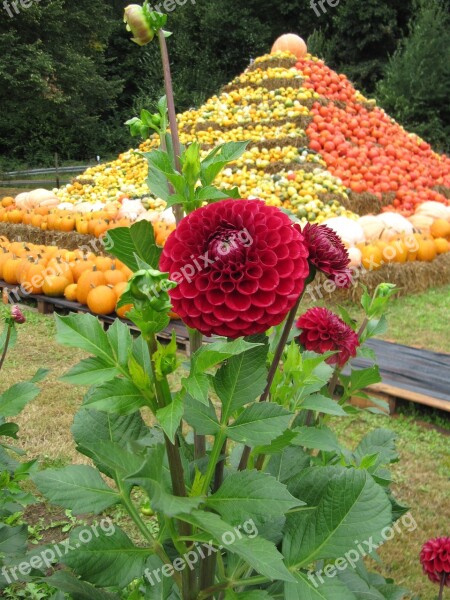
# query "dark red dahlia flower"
(327, 253)
(240, 265)
(435, 559)
(323, 331)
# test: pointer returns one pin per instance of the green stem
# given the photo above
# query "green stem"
(134, 514)
(177, 209)
(226, 585)
(270, 377)
(5, 347)
(213, 458)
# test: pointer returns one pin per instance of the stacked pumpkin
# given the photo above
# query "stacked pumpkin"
(95, 281)
(375, 240)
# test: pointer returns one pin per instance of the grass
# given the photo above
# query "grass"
(421, 477)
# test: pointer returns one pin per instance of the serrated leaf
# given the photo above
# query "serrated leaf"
(40, 375)
(349, 506)
(320, 403)
(120, 340)
(13, 540)
(84, 331)
(291, 461)
(14, 399)
(77, 589)
(200, 417)
(317, 438)
(119, 396)
(241, 379)
(125, 243)
(259, 423)
(213, 354)
(309, 587)
(362, 378)
(170, 417)
(79, 488)
(197, 386)
(90, 371)
(251, 492)
(107, 561)
(257, 552)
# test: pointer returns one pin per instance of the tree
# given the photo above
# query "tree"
(416, 86)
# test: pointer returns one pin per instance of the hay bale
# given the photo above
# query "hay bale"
(362, 204)
(66, 240)
(410, 278)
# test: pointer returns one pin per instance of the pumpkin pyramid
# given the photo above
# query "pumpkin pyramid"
(317, 147)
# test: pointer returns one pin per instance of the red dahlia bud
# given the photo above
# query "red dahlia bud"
(17, 315)
(327, 253)
(323, 331)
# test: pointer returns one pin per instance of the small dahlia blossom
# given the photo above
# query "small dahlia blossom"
(327, 253)
(435, 559)
(17, 315)
(137, 23)
(240, 265)
(323, 331)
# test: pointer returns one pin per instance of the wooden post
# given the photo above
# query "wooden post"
(56, 169)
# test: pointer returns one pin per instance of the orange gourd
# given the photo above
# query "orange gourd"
(292, 43)
(102, 300)
(89, 280)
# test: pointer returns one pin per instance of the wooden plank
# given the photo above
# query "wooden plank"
(416, 397)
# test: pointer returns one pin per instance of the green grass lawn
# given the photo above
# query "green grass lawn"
(421, 477)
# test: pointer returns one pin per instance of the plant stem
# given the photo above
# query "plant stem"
(225, 585)
(5, 347)
(177, 209)
(441, 587)
(156, 547)
(196, 340)
(213, 458)
(273, 369)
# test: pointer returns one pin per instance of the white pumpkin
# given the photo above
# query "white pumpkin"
(149, 215)
(355, 256)
(39, 196)
(131, 209)
(167, 216)
(349, 231)
(86, 207)
(396, 222)
(22, 200)
(65, 206)
(372, 227)
(432, 209)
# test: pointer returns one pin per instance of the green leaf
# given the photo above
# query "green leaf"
(157, 588)
(120, 340)
(79, 488)
(14, 399)
(40, 375)
(255, 595)
(317, 438)
(115, 457)
(201, 417)
(9, 430)
(259, 424)
(118, 396)
(127, 243)
(191, 164)
(13, 540)
(197, 386)
(90, 371)
(210, 193)
(362, 378)
(277, 444)
(218, 158)
(241, 379)
(213, 354)
(107, 561)
(259, 553)
(349, 505)
(149, 477)
(309, 587)
(251, 493)
(320, 403)
(381, 442)
(291, 461)
(77, 589)
(84, 331)
(170, 416)
(375, 327)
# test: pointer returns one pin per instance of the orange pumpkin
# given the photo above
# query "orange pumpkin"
(54, 285)
(102, 300)
(122, 311)
(427, 250)
(440, 229)
(70, 293)
(89, 280)
(442, 245)
(290, 43)
(372, 257)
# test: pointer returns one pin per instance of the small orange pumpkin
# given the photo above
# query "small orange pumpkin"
(102, 300)
(292, 43)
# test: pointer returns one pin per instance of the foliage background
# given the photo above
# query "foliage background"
(69, 76)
